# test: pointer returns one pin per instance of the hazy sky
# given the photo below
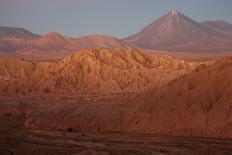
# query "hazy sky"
(118, 18)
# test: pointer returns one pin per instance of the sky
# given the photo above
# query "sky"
(118, 18)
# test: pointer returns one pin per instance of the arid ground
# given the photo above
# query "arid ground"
(166, 90)
(143, 103)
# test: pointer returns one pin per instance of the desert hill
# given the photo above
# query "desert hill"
(197, 104)
(94, 41)
(50, 41)
(15, 69)
(177, 32)
(11, 45)
(175, 97)
(54, 41)
(19, 33)
(103, 69)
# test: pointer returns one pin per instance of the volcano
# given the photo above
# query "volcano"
(177, 32)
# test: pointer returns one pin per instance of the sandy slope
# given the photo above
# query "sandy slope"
(197, 104)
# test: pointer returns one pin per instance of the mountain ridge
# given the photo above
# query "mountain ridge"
(59, 42)
(172, 32)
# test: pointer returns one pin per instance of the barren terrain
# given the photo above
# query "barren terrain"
(116, 101)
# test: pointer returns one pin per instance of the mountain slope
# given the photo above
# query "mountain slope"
(219, 26)
(175, 31)
(198, 104)
(96, 41)
(50, 41)
(54, 41)
(13, 32)
(12, 44)
(15, 69)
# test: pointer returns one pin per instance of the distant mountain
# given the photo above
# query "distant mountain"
(50, 41)
(13, 32)
(12, 44)
(177, 32)
(94, 41)
(219, 26)
(54, 41)
(173, 32)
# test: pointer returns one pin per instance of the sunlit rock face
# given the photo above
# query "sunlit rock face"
(101, 69)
